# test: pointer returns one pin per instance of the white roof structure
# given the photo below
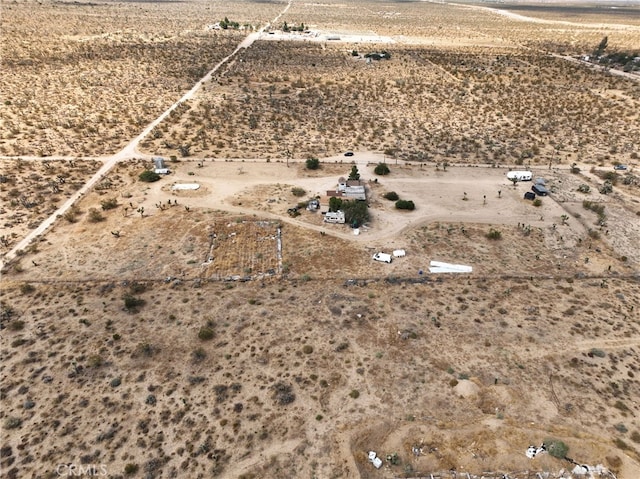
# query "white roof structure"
(185, 186)
(439, 267)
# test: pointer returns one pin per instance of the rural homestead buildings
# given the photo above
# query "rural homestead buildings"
(346, 190)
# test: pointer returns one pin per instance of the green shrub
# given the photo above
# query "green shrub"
(355, 394)
(297, 191)
(312, 163)
(109, 204)
(17, 325)
(149, 176)
(381, 169)
(12, 422)
(405, 205)
(391, 196)
(307, 349)
(95, 216)
(130, 469)
(206, 333)
(131, 302)
(556, 448)
(494, 234)
(537, 202)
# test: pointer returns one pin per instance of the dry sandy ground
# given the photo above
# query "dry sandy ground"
(209, 334)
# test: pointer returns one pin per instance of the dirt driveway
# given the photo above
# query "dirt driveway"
(459, 194)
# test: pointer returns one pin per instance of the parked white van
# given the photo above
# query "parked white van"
(384, 257)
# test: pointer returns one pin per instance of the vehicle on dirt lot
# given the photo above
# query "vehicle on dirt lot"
(529, 195)
(383, 257)
(540, 190)
(349, 153)
(520, 175)
(620, 167)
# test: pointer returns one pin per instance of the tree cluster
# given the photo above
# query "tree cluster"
(226, 23)
(287, 28)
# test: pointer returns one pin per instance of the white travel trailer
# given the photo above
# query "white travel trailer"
(334, 217)
(520, 175)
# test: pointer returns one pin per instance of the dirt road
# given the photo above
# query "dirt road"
(130, 151)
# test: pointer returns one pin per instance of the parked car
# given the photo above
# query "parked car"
(349, 153)
(529, 195)
(540, 190)
(620, 167)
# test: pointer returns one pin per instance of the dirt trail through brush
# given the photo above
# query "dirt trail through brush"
(131, 150)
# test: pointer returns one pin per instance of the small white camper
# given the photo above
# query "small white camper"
(519, 175)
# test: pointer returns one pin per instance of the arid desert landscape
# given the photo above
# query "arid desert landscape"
(174, 302)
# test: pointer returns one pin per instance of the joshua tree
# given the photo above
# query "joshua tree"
(354, 175)
(141, 211)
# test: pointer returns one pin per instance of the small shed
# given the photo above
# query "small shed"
(160, 167)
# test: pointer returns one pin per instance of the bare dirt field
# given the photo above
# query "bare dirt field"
(161, 332)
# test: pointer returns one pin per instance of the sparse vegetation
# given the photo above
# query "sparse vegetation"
(299, 318)
(297, 191)
(132, 303)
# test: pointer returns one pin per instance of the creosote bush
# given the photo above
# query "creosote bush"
(297, 191)
(391, 196)
(381, 169)
(494, 234)
(312, 163)
(109, 204)
(405, 205)
(556, 448)
(95, 216)
(206, 333)
(131, 302)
